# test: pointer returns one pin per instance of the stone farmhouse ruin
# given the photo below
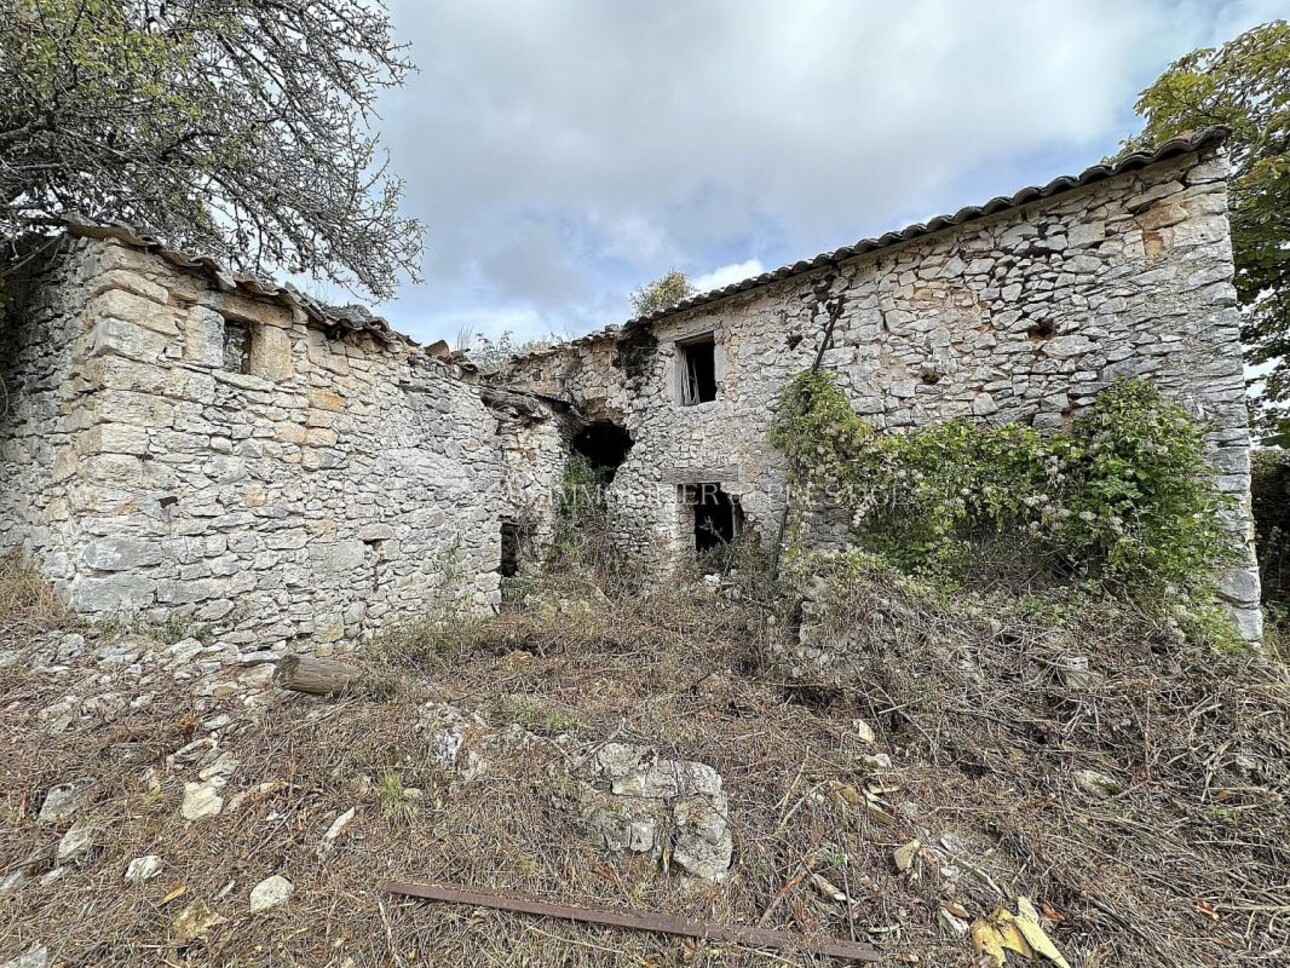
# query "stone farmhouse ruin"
(186, 442)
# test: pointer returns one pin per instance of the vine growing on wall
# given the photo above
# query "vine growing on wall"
(1122, 502)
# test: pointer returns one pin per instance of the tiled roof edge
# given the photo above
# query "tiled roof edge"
(228, 280)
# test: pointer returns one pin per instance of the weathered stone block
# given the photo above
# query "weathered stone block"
(290, 433)
(119, 304)
(203, 337)
(339, 557)
(1086, 233)
(271, 353)
(321, 353)
(122, 554)
(112, 593)
(130, 281)
(1065, 347)
(114, 438)
(116, 336)
(1162, 215)
(140, 409)
(326, 400)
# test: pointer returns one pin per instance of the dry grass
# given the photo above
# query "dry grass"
(1187, 867)
(27, 602)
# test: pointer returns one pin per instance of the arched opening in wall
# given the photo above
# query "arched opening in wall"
(605, 445)
(715, 516)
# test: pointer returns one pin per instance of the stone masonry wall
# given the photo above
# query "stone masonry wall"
(1024, 315)
(342, 482)
(37, 331)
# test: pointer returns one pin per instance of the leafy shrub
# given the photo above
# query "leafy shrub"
(586, 535)
(1122, 501)
(1270, 497)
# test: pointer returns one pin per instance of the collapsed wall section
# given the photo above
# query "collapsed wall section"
(198, 455)
(1021, 316)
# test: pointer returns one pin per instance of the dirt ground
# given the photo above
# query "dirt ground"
(983, 742)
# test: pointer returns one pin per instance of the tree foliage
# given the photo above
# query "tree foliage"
(1244, 84)
(663, 293)
(236, 128)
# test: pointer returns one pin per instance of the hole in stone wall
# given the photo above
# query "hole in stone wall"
(1040, 330)
(605, 445)
(698, 359)
(237, 347)
(634, 354)
(718, 518)
(930, 378)
(510, 565)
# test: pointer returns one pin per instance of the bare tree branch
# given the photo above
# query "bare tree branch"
(236, 128)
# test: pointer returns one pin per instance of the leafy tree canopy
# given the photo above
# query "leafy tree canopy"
(1244, 84)
(666, 291)
(235, 128)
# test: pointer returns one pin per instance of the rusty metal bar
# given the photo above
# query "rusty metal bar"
(638, 921)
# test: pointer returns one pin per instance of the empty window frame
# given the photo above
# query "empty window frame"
(237, 347)
(697, 359)
(717, 517)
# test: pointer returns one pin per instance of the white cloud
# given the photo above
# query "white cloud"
(563, 152)
(727, 275)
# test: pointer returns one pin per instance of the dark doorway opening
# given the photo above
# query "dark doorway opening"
(605, 445)
(718, 519)
(698, 370)
(510, 566)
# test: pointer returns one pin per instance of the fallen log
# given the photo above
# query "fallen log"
(317, 677)
(638, 921)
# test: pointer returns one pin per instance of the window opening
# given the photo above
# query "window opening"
(718, 518)
(510, 564)
(237, 347)
(698, 359)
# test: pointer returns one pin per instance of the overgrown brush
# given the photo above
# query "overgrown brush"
(25, 596)
(1121, 503)
(586, 542)
(1006, 701)
(967, 695)
(558, 617)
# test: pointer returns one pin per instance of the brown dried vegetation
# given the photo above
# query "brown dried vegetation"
(1185, 867)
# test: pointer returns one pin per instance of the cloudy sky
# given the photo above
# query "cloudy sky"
(562, 153)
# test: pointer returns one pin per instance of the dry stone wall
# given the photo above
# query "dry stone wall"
(1023, 316)
(200, 456)
(37, 332)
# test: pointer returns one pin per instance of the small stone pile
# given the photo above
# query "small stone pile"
(634, 800)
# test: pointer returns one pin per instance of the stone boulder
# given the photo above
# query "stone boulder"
(633, 800)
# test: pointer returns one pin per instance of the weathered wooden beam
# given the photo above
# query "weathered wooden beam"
(753, 937)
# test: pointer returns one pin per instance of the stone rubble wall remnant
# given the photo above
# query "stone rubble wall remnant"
(348, 481)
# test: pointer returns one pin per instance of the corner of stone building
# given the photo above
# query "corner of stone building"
(294, 488)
